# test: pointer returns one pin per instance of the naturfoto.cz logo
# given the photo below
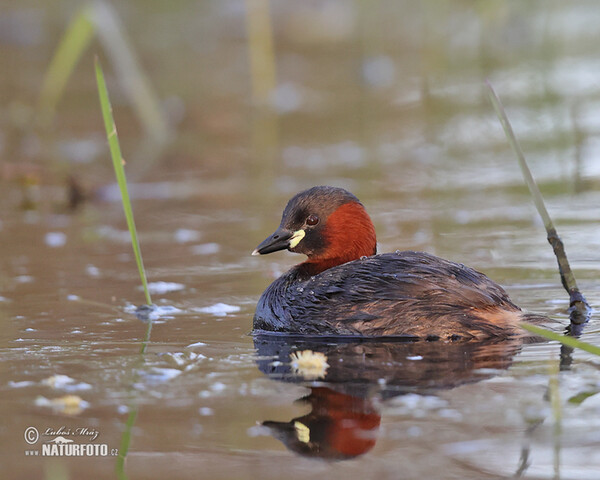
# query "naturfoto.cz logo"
(61, 446)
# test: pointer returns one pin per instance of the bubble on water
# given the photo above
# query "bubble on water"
(64, 382)
(111, 233)
(92, 271)
(258, 431)
(24, 279)
(24, 383)
(287, 97)
(218, 309)
(55, 239)
(160, 288)
(161, 375)
(462, 217)
(184, 235)
(415, 357)
(379, 71)
(415, 404)
(218, 387)
(205, 249)
(450, 414)
(183, 359)
(206, 411)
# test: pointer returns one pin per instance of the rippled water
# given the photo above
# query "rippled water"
(385, 99)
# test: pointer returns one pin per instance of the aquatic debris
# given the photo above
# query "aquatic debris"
(219, 309)
(152, 313)
(197, 344)
(69, 404)
(64, 382)
(164, 287)
(55, 239)
(308, 364)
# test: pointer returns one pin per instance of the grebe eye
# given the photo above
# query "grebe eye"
(312, 220)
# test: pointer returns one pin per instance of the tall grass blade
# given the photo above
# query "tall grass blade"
(125, 442)
(115, 151)
(74, 42)
(564, 339)
(579, 307)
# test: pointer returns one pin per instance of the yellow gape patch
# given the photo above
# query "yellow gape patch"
(302, 432)
(296, 238)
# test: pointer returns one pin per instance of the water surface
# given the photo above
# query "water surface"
(385, 99)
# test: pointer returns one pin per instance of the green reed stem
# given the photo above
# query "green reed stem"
(564, 339)
(117, 158)
(125, 442)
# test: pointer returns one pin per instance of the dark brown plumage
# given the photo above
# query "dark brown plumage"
(343, 288)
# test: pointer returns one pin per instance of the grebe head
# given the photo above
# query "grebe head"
(327, 224)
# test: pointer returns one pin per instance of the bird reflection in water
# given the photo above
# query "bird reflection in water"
(344, 418)
(338, 426)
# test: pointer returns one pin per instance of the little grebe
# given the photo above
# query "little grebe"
(345, 289)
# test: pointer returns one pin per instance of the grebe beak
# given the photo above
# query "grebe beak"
(280, 240)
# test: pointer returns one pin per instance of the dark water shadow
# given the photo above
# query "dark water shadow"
(347, 388)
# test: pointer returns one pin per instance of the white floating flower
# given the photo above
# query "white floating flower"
(308, 364)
